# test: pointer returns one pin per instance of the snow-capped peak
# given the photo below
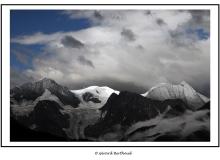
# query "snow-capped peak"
(152, 88)
(94, 96)
(181, 91)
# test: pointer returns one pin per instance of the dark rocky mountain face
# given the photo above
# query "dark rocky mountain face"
(128, 108)
(47, 117)
(90, 97)
(31, 91)
(21, 133)
(206, 106)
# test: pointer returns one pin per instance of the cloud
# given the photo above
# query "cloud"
(69, 41)
(18, 77)
(128, 34)
(98, 15)
(160, 22)
(37, 38)
(85, 61)
(200, 19)
(137, 47)
(21, 57)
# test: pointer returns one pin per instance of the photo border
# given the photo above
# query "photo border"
(2, 5)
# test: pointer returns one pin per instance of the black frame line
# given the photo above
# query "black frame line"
(111, 5)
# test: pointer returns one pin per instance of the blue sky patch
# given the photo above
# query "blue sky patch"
(200, 33)
(25, 22)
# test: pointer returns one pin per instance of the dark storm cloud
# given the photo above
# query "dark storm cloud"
(140, 47)
(148, 12)
(85, 61)
(128, 34)
(200, 19)
(178, 38)
(203, 89)
(199, 15)
(98, 15)
(160, 22)
(125, 86)
(69, 41)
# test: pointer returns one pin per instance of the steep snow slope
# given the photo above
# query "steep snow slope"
(182, 91)
(94, 96)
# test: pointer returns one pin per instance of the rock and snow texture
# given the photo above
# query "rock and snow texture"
(94, 96)
(25, 107)
(182, 91)
(79, 119)
(179, 128)
(47, 95)
(165, 112)
(31, 91)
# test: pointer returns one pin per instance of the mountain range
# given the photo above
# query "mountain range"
(45, 110)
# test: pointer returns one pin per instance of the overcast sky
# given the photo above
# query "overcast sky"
(123, 49)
